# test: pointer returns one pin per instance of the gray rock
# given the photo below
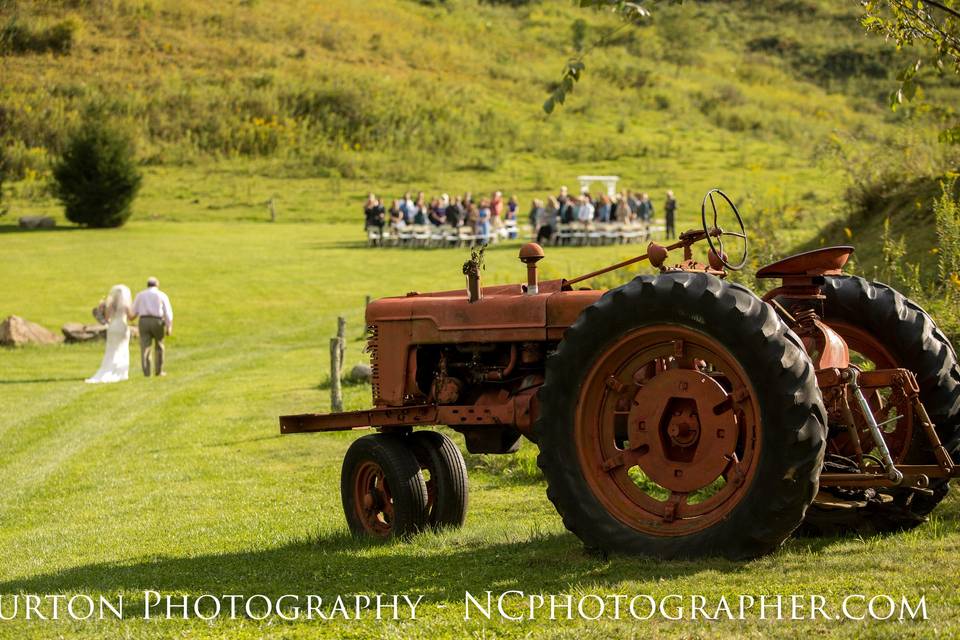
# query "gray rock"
(77, 332)
(15, 331)
(37, 222)
(360, 373)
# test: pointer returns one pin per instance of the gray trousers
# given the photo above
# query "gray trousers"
(151, 330)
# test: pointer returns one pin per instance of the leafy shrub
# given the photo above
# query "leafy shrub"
(895, 269)
(681, 37)
(19, 37)
(802, 8)
(771, 44)
(329, 161)
(724, 95)
(846, 62)
(946, 211)
(20, 161)
(625, 75)
(97, 177)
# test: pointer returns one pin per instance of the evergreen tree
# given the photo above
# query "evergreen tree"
(97, 177)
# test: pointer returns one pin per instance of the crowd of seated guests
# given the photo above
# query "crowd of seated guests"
(625, 207)
(486, 219)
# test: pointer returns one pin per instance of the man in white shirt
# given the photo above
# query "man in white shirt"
(156, 320)
(585, 212)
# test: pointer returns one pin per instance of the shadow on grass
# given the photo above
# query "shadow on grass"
(345, 383)
(341, 564)
(13, 228)
(41, 380)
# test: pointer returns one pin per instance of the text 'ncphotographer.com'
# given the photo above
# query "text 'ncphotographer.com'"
(519, 606)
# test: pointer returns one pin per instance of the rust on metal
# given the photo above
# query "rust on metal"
(372, 500)
(530, 254)
(657, 254)
(819, 262)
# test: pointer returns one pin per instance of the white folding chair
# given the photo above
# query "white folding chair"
(596, 232)
(466, 237)
(421, 235)
(631, 232)
(579, 234)
(612, 234)
(436, 236)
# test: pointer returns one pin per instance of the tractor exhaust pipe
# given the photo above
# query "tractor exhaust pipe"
(471, 269)
(530, 254)
(474, 292)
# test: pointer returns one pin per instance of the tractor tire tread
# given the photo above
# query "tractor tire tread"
(448, 471)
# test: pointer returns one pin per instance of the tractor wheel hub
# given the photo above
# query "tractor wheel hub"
(683, 429)
(688, 445)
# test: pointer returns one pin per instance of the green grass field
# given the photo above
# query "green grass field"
(183, 484)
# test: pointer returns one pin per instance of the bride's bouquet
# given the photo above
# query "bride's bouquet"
(100, 311)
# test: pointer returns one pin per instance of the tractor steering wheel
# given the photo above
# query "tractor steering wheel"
(716, 232)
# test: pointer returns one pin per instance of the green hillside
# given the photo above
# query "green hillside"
(314, 104)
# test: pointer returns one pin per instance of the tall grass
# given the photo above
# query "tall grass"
(407, 88)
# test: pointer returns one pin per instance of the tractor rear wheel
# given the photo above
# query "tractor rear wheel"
(383, 492)
(440, 457)
(886, 330)
(680, 417)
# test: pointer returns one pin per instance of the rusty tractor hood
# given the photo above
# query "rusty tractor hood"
(504, 314)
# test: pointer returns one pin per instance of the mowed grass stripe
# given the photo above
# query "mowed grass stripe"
(99, 413)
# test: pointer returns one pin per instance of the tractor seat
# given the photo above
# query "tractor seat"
(828, 261)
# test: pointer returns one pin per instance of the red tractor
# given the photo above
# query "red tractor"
(677, 415)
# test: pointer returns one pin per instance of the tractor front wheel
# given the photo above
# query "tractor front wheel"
(441, 460)
(680, 417)
(384, 494)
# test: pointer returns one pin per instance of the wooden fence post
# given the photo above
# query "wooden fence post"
(342, 336)
(336, 395)
(273, 210)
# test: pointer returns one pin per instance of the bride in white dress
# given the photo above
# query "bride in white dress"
(116, 361)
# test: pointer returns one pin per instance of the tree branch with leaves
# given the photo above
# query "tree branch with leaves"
(931, 27)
